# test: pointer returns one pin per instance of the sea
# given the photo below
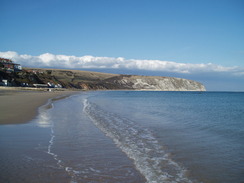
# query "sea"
(129, 137)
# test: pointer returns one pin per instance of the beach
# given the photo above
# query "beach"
(59, 144)
(122, 136)
(20, 106)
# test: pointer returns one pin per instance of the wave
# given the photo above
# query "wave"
(45, 121)
(139, 144)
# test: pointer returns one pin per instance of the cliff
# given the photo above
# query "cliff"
(159, 83)
(87, 80)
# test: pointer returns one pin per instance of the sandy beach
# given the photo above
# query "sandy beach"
(20, 106)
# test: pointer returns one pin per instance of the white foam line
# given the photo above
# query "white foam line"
(55, 156)
(60, 164)
(137, 143)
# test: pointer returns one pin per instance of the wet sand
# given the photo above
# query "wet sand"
(20, 106)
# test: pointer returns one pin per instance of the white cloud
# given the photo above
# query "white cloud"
(86, 62)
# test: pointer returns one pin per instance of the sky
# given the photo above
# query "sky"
(201, 40)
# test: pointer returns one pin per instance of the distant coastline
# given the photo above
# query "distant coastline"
(39, 85)
(58, 79)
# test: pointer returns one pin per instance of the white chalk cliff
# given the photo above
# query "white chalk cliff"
(160, 83)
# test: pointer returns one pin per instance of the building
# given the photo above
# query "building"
(4, 82)
(8, 65)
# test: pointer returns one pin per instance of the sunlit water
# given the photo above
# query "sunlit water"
(129, 136)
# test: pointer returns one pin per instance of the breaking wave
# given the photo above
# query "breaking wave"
(139, 144)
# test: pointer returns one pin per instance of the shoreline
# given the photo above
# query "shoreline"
(18, 106)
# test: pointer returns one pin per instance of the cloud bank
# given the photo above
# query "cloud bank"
(91, 62)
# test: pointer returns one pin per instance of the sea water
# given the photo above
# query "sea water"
(129, 136)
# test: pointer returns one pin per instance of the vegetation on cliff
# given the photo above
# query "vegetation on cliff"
(86, 80)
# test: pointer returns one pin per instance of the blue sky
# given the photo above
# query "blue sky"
(180, 31)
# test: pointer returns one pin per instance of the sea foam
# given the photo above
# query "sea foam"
(139, 144)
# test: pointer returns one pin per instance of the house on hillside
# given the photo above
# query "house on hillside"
(8, 65)
(3, 82)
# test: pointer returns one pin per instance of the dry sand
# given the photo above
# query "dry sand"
(22, 106)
